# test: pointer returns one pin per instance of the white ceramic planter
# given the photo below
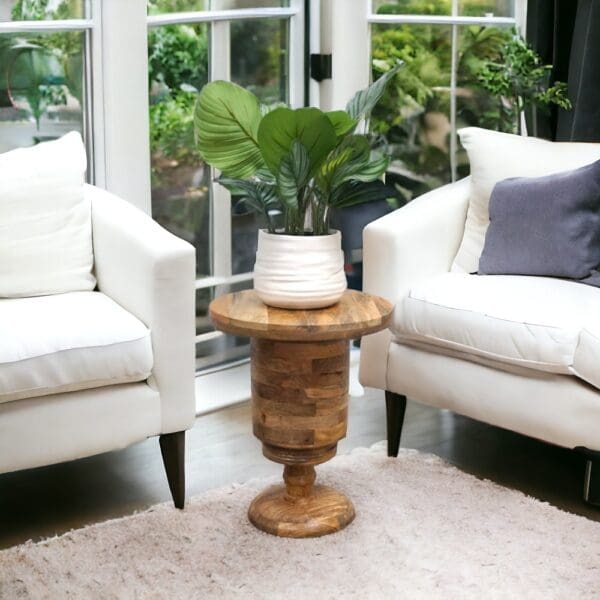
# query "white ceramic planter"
(294, 271)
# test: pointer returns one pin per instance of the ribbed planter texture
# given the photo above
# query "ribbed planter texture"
(299, 272)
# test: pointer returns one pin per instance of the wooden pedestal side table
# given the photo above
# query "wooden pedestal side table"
(300, 361)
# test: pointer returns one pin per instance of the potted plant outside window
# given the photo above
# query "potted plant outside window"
(298, 165)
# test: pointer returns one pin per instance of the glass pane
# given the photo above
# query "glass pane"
(259, 62)
(480, 8)
(41, 87)
(414, 115)
(226, 347)
(157, 7)
(178, 63)
(412, 7)
(259, 57)
(244, 237)
(40, 10)
(204, 297)
(474, 105)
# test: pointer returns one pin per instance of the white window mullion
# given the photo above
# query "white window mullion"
(453, 68)
(212, 16)
(439, 20)
(95, 94)
(295, 53)
(315, 48)
(44, 26)
(220, 68)
(344, 35)
(521, 16)
(125, 101)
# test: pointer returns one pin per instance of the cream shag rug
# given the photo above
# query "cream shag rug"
(423, 529)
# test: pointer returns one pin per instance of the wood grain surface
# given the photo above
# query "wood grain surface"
(299, 399)
(300, 412)
(300, 368)
(325, 511)
(355, 315)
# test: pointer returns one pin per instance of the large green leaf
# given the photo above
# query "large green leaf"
(342, 122)
(359, 192)
(226, 121)
(259, 196)
(365, 100)
(293, 174)
(352, 160)
(309, 126)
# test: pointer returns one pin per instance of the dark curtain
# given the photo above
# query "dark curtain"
(566, 34)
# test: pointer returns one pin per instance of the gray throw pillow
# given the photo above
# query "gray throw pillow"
(547, 226)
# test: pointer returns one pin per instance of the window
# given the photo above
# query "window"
(191, 42)
(44, 50)
(443, 43)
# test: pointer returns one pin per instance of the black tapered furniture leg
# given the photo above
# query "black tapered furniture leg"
(591, 482)
(395, 407)
(172, 448)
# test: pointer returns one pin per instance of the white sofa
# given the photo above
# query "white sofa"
(522, 353)
(91, 371)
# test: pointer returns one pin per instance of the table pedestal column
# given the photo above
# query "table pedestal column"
(300, 412)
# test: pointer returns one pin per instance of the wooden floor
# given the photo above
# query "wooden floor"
(43, 502)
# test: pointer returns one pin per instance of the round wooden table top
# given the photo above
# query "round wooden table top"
(355, 315)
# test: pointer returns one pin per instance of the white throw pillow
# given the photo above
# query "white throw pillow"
(495, 156)
(45, 220)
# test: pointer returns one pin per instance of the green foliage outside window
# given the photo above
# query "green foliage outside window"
(38, 10)
(178, 56)
(497, 77)
(170, 6)
(520, 81)
(42, 69)
(413, 117)
(178, 69)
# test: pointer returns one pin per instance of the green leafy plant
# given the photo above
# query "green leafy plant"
(178, 55)
(520, 80)
(295, 162)
(54, 62)
(413, 116)
(171, 127)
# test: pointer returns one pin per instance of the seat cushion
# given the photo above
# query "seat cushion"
(533, 322)
(68, 342)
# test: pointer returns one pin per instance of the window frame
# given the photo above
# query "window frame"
(219, 22)
(89, 26)
(454, 20)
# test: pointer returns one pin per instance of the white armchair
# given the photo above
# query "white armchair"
(517, 352)
(88, 372)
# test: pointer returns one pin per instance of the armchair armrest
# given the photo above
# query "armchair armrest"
(413, 243)
(151, 273)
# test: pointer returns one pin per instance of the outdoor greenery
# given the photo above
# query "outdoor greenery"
(497, 77)
(178, 69)
(519, 80)
(178, 57)
(42, 70)
(37, 10)
(414, 115)
(299, 163)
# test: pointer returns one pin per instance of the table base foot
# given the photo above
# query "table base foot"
(324, 511)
